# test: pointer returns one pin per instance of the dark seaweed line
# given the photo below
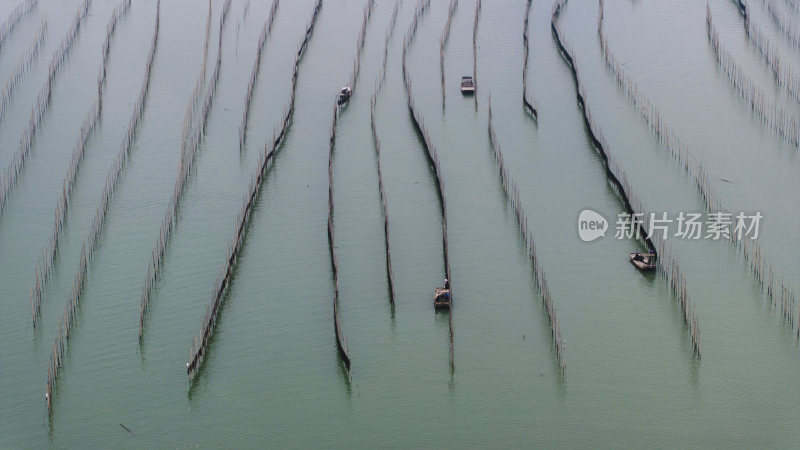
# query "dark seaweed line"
(188, 155)
(777, 119)
(377, 146)
(22, 67)
(44, 266)
(443, 40)
(89, 246)
(667, 265)
(341, 340)
(13, 171)
(200, 346)
(512, 193)
(262, 40)
(433, 160)
(753, 254)
(13, 19)
(531, 106)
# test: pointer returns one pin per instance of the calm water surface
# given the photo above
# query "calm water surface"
(273, 376)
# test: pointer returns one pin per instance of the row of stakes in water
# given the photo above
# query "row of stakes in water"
(776, 118)
(443, 40)
(665, 134)
(73, 299)
(666, 265)
(433, 159)
(387, 38)
(12, 172)
(13, 19)
(341, 341)
(689, 163)
(512, 192)
(189, 148)
(46, 261)
(199, 346)
(23, 65)
(783, 73)
(377, 145)
(785, 23)
(262, 40)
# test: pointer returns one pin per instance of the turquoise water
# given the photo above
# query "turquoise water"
(272, 377)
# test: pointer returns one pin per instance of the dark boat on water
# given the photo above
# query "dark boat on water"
(467, 85)
(643, 262)
(344, 95)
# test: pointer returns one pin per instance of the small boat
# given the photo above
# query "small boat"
(441, 298)
(344, 95)
(642, 261)
(467, 85)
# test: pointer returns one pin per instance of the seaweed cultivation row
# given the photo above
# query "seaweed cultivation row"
(44, 266)
(13, 171)
(530, 105)
(200, 345)
(443, 40)
(757, 263)
(87, 251)
(777, 119)
(433, 159)
(475, 48)
(118, 12)
(189, 148)
(785, 23)
(666, 264)
(783, 73)
(25, 62)
(666, 135)
(360, 43)
(13, 19)
(341, 341)
(512, 193)
(377, 146)
(392, 23)
(262, 40)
